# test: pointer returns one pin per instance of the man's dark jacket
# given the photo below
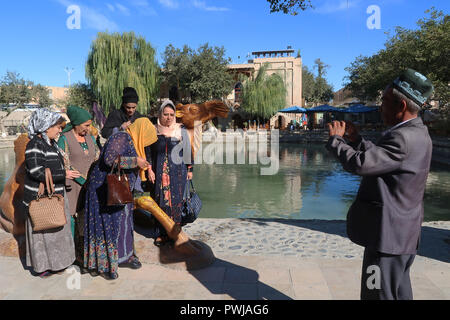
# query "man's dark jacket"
(387, 213)
(115, 120)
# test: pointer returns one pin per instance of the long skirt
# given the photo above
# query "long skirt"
(51, 250)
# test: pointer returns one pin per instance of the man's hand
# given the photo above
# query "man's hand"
(336, 128)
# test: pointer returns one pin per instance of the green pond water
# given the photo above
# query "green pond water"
(310, 184)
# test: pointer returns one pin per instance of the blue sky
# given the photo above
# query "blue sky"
(36, 42)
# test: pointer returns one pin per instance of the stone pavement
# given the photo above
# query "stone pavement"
(303, 271)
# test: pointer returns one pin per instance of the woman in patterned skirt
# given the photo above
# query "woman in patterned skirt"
(172, 161)
(108, 230)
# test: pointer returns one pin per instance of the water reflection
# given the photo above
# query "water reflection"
(310, 184)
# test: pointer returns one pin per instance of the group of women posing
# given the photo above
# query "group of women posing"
(100, 238)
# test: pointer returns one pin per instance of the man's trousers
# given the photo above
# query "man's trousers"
(386, 276)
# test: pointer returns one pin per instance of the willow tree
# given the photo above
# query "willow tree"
(265, 95)
(116, 61)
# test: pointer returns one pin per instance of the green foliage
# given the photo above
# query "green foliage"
(289, 6)
(316, 89)
(176, 68)
(426, 50)
(116, 61)
(41, 95)
(16, 90)
(201, 75)
(80, 94)
(264, 95)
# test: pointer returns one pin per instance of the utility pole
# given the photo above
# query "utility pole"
(69, 71)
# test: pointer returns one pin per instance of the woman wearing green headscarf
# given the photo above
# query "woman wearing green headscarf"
(80, 151)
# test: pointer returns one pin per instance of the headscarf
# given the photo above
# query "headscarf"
(76, 116)
(40, 121)
(174, 131)
(143, 134)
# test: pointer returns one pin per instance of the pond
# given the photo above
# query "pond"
(310, 184)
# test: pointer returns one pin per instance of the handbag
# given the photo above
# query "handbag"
(191, 204)
(47, 211)
(119, 192)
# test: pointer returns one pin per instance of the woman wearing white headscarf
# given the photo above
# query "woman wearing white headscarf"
(49, 251)
(172, 166)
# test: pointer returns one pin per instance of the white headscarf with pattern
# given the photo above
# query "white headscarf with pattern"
(40, 121)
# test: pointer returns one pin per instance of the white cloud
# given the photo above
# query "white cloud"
(110, 7)
(143, 7)
(171, 4)
(335, 6)
(91, 18)
(123, 9)
(202, 5)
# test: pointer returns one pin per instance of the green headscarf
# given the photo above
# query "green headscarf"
(76, 116)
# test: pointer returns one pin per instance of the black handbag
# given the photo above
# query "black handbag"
(191, 204)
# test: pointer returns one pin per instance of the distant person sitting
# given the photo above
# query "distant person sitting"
(120, 119)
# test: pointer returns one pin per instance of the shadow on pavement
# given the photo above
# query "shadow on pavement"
(220, 277)
(240, 283)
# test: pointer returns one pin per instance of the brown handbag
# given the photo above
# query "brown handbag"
(47, 211)
(119, 192)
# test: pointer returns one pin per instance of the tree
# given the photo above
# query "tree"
(176, 66)
(116, 61)
(80, 94)
(15, 90)
(41, 95)
(289, 6)
(200, 75)
(209, 78)
(264, 95)
(426, 50)
(316, 89)
(308, 83)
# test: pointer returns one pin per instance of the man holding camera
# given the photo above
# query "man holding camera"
(387, 214)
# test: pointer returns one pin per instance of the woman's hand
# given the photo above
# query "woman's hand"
(142, 163)
(72, 174)
(151, 174)
(190, 175)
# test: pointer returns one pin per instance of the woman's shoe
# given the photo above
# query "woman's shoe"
(132, 263)
(108, 276)
(45, 274)
(59, 272)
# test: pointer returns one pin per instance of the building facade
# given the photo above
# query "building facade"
(281, 62)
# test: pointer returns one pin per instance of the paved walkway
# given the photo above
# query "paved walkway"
(248, 268)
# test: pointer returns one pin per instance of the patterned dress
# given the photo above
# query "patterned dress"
(170, 174)
(108, 230)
